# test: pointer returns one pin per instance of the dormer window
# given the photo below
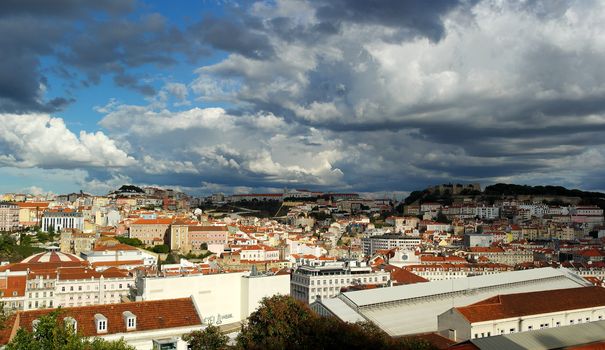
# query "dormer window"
(130, 320)
(101, 322)
(71, 323)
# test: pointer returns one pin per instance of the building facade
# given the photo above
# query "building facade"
(9, 216)
(388, 241)
(62, 219)
(317, 282)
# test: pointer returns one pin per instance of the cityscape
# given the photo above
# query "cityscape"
(465, 263)
(302, 174)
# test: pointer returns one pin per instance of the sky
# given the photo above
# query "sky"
(384, 96)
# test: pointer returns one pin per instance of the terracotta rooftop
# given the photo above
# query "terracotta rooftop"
(12, 286)
(523, 304)
(163, 221)
(401, 276)
(150, 315)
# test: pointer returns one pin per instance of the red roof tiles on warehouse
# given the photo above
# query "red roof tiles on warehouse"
(522, 304)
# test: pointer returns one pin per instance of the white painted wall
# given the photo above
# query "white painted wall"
(220, 298)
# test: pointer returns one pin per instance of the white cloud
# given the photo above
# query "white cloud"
(39, 140)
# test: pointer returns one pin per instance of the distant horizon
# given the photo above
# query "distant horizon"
(400, 195)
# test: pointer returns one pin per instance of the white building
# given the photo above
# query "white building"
(258, 253)
(414, 308)
(311, 283)
(118, 255)
(488, 213)
(53, 279)
(62, 219)
(388, 241)
(522, 312)
(225, 298)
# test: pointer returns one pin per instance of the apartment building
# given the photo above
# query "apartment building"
(9, 216)
(388, 241)
(61, 219)
(54, 279)
(501, 256)
(191, 237)
(325, 280)
(151, 231)
(30, 213)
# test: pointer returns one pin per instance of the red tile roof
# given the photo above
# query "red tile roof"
(82, 273)
(32, 205)
(150, 315)
(401, 276)
(12, 285)
(153, 222)
(523, 304)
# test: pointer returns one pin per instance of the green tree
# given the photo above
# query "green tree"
(284, 323)
(209, 338)
(135, 242)
(161, 249)
(171, 259)
(51, 333)
(278, 322)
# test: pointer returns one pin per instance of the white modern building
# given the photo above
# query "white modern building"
(414, 308)
(318, 282)
(118, 255)
(523, 312)
(225, 298)
(388, 241)
(62, 219)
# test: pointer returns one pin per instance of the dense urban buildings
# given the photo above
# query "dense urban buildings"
(441, 260)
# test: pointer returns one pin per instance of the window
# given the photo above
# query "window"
(101, 322)
(63, 289)
(71, 323)
(529, 328)
(512, 330)
(558, 323)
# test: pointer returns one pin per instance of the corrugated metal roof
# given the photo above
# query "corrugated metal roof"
(385, 295)
(551, 338)
(341, 310)
(416, 307)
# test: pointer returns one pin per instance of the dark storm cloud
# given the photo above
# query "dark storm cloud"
(62, 8)
(417, 16)
(82, 43)
(233, 36)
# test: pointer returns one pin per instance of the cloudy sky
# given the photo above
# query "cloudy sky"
(346, 95)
